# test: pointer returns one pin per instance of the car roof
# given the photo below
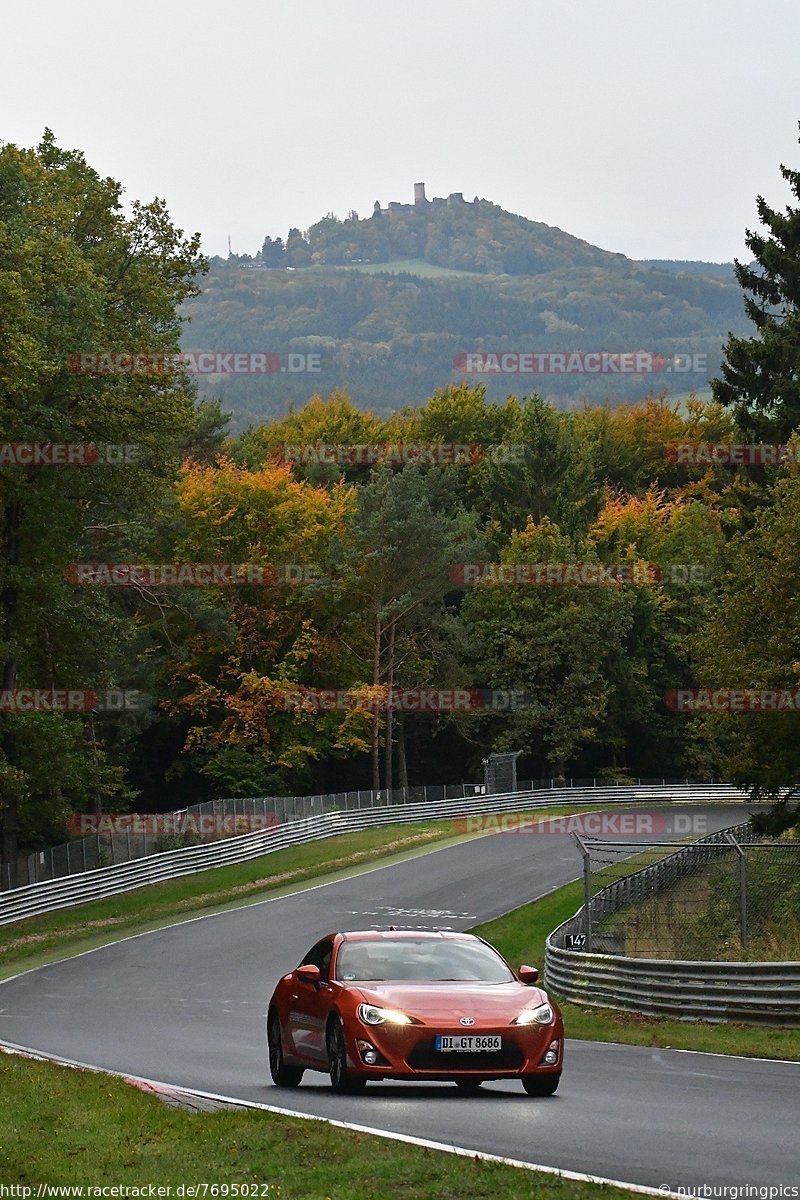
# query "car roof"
(373, 935)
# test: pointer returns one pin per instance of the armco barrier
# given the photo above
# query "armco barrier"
(755, 993)
(765, 993)
(53, 894)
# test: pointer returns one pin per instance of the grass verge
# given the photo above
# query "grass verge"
(109, 1133)
(520, 936)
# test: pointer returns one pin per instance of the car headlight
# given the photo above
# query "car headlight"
(541, 1015)
(370, 1014)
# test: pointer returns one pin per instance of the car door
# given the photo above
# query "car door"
(309, 1005)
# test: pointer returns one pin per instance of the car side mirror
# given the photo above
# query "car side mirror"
(309, 973)
(527, 975)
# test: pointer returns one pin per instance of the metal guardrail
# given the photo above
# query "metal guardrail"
(754, 992)
(35, 899)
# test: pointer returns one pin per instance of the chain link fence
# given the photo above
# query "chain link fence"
(725, 898)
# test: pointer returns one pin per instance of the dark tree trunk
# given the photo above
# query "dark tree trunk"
(389, 712)
(376, 679)
(9, 616)
(402, 767)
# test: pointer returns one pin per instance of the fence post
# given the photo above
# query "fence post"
(587, 892)
(742, 890)
(743, 896)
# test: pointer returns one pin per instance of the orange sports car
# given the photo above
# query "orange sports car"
(415, 1006)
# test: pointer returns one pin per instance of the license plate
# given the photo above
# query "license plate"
(456, 1042)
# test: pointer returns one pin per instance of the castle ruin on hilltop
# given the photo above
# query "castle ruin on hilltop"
(421, 203)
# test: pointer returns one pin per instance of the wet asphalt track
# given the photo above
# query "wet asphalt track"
(186, 1005)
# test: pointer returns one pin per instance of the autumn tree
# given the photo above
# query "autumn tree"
(239, 649)
(752, 641)
(683, 543)
(404, 536)
(332, 420)
(77, 275)
(554, 644)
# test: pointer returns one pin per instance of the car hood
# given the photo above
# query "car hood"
(486, 1003)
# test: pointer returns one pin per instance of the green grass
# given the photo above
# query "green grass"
(48, 938)
(520, 936)
(62, 1126)
(414, 266)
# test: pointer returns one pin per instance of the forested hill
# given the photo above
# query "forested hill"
(388, 305)
(462, 235)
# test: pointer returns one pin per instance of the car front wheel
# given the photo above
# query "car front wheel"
(342, 1080)
(540, 1085)
(282, 1076)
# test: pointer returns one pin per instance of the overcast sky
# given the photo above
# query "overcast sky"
(644, 127)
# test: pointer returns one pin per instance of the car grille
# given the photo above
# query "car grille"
(425, 1057)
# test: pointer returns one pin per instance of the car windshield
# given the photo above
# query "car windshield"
(423, 960)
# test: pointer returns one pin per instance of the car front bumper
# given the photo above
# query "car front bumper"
(409, 1052)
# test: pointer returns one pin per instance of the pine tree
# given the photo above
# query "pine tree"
(761, 374)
